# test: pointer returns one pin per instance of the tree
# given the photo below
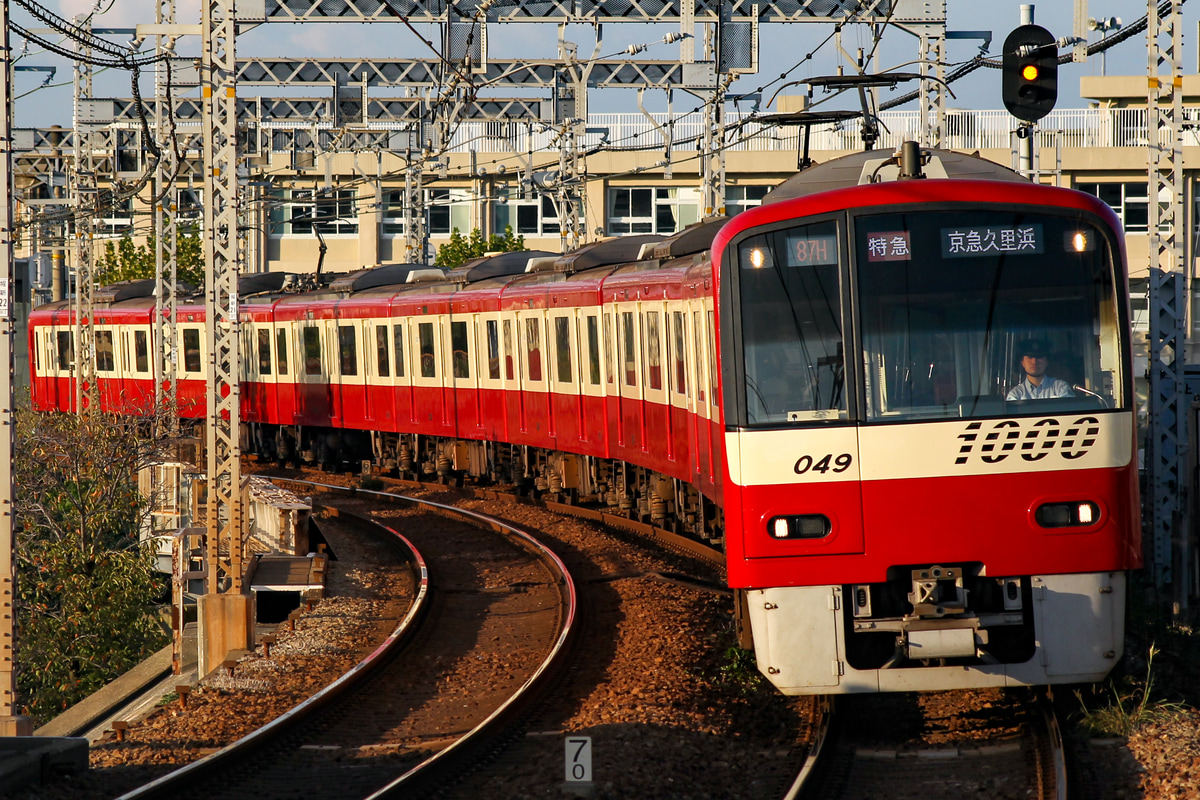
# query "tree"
(125, 261)
(87, 591)
(459, 250)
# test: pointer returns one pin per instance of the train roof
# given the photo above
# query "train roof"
(495, 265)
(859, 168)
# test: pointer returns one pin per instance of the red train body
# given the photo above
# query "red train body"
(824, 383)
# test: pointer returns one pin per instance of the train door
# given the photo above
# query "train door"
(464, 375)
(312, 390)
(591, 380)
(514, 400)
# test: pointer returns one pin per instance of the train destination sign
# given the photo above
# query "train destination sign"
(889, 246)
(811, 251)
(985, 240)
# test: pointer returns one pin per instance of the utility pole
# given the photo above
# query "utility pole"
(10, 723)
(86, 203)
(166, 227)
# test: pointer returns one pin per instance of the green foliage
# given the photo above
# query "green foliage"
(1130, 706)
(459, 250)
(86, 587)
(125, 261)
(740, 670)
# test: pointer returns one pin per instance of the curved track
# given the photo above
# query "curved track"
(367, 744)
(1011, 748)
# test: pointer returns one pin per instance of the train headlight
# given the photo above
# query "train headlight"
(1067, 515)
(799, 526)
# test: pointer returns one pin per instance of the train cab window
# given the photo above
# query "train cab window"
(493, 349)
(628, 349)
(191, 350)
(312, 350)
(593, 350)
(679, 379)
(141, 351)
(533, 348)
(712, 360)
(398, 348)
(382, 361)
(347, 350)
(65, 341)
(508, 350)
(427, 351)
(105, 356)
(562, 348)
(788, 283)
(948, 308)
(264, 352)
(460, 350)
(281, 351)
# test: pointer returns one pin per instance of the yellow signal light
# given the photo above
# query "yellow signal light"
(1029, 72)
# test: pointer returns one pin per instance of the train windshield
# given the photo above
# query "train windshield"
(985, 313)
(791, 321)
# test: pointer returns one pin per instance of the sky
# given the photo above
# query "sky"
(783, 50)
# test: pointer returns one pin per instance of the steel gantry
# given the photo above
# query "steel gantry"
(86, 203)
(1167, 445)
(222, 267)
(166, 231)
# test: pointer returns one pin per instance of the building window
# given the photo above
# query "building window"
(740, 198)
(300, 212)
(116, 219)
(1131, 201)
(533, 216)
(651, 210)
(449, 210)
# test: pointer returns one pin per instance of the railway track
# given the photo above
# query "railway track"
(999, 745)
(365, 735)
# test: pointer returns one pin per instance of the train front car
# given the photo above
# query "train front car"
(931, 475)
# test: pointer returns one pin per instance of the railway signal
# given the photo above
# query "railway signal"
(1029, 85)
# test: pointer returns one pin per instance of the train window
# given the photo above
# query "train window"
(608, 345)
(105, 358)
(398, 348)
(508, 350)
(493, 349)
(653, 351)
(712, 359)
(141, 351)
(593, 346)
(191, 350)
(460, 350)
(312, 350)
(680, 372)
(698, 334)
(533, 348)
(629, 348)
(281, 351)
(264, 352)
(950, 307)
(382, 362)
(348, 350)
(790, 298)
(562, 348)
(66, 349)
(428, 353)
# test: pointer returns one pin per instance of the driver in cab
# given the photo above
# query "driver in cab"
(1037, 384)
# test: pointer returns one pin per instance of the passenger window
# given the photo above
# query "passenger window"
(697, 350)
(398, 348)
(608, 345)
(629, 348)
(141, 351)
(493, 348)
(562, 348)
(428, 353)
(264, 352)
(348, 350)
(281, 351)
(105, 357)
(66, 350)
(593, 345)
(712, 360)
(312, 350)
(460, 350)
(533, 348)
(680, 372)
(191, 350)
(508, 350)
(382, 363)
(653, 351)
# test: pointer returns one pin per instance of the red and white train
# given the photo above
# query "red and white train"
(821, 383)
